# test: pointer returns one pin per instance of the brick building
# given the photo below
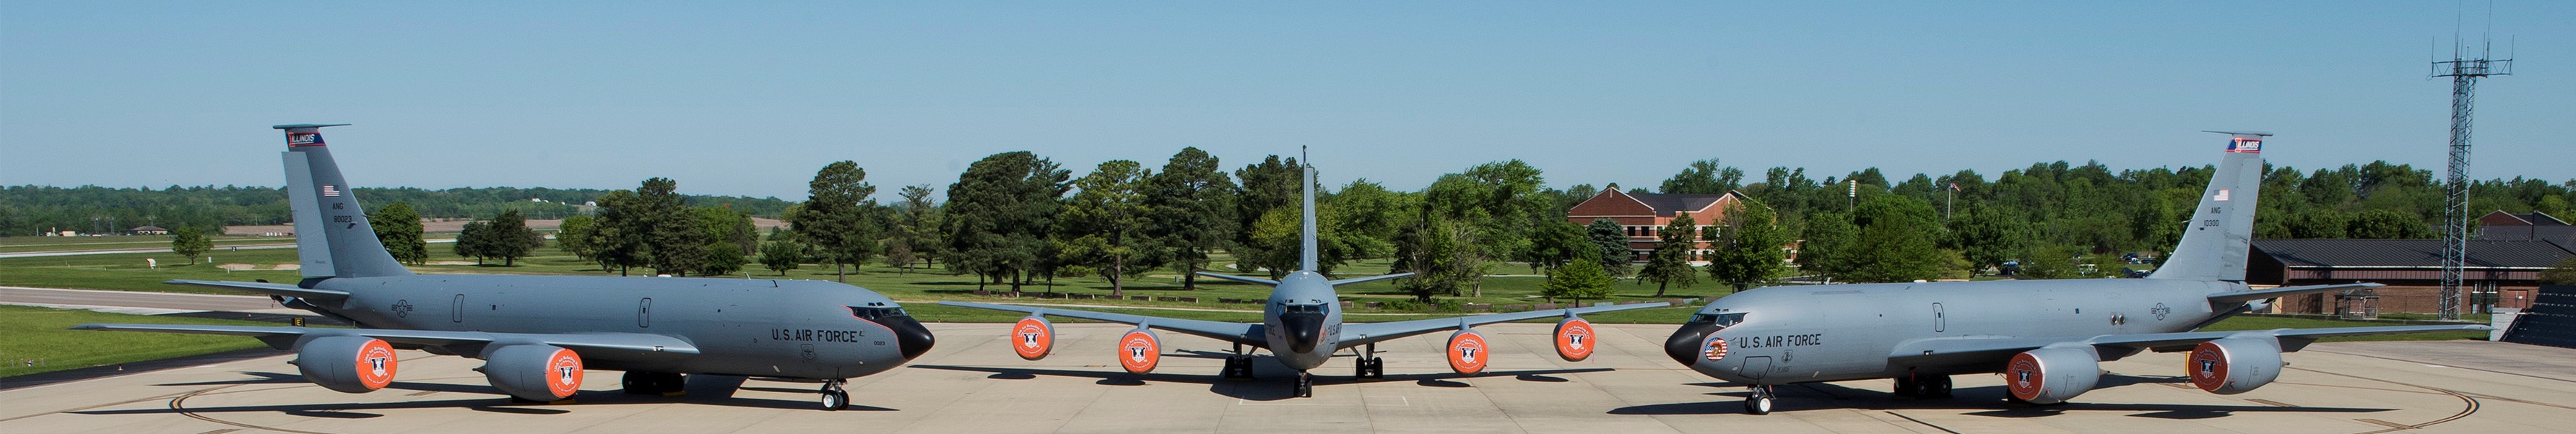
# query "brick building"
(2499, 273)
(2533, 225)
(1644, 215)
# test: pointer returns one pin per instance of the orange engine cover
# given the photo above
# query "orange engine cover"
(1139, 351)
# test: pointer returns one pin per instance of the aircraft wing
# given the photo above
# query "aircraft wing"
(1241, 333)
(620, 346)
(1355, 334)
(2227, 299)
(2291, 340)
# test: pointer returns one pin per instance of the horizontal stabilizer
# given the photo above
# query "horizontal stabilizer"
(265, 288)
(2235, 298)
(1240, 278)
(1368, 279)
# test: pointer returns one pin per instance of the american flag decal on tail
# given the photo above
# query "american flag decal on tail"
(329, 190)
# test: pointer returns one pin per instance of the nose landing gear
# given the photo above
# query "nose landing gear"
(1759, 403)
(1305, 387)
(835, 399)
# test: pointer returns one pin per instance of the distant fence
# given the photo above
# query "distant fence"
(2550, 321)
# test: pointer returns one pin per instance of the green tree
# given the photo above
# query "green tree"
(1557, 242)
(1610, 243)
(1895, 250)
(1579, 280)
(1366, 216)
(1827, 249)
(398, 227)
(508, 238)
(678, 242)
(189, 241)
(1986, 238)
(916, 229)
(1748, 251)
(475, 241)
(999, 214)
(722, 259)
(574, 234)
(2563, 274)
(1704, 177)
(2386, 225)
(1270, 184)
(1669, 264)
(781, 255)
(1441, 253)
(622, 239)
(1192, 202)
(834, 220)
(1104, 227)
(2049, 262)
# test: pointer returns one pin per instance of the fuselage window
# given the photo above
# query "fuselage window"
(875, 313)
(1301, 308)
(1722, 320)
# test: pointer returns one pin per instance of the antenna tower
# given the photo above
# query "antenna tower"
(2464, 73)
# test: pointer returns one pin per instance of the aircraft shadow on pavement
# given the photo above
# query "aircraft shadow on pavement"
(1821, 396)
(702, 390)
(1270, 381)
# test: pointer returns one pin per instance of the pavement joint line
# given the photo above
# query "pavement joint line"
(1920, 421)
(2459, 367)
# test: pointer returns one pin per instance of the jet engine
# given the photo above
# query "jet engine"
(1467, 353)
(1574, 339)
(353, 364)
(1139, 351)
(1033, 338)
(533, 372)
(2051, 375)
(2234, 365)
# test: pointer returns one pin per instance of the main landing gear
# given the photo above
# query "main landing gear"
(1238, 367)
(1370, 366)
(1924, 387)
(835, 399)
(1305, 387)
(655, 383)
(1759, 403)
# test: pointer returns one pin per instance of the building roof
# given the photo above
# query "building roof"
(2534, 218)
(1668, 204)
(2411, 253)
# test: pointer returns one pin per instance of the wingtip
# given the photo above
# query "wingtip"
(88, 327)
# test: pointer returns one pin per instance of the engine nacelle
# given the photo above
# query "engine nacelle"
(1574, 339)
(2234, 365)
(1467, 352)
(2052, 375)
(1033, 338)
(353, 364)
(533, 372)
(1139, 351)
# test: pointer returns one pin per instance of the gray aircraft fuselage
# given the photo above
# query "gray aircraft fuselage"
(1797, 334)
(768, 328)
(1303, 340)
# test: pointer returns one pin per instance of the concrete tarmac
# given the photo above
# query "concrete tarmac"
(973, 383)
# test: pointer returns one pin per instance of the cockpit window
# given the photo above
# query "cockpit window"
(875, 313)
(1722, 319)
(1301, 308)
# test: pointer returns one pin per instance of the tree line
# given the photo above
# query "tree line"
(31, 209)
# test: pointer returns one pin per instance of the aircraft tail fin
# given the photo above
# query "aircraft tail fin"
(332, 237)
(1306, 253)
(2214, 242)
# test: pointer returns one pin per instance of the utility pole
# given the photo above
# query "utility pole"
(2464, 73)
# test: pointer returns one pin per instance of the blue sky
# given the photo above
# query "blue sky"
(743, 98)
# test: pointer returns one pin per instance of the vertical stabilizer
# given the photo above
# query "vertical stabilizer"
(1306, 251)
(332, 238)
(2215, 241)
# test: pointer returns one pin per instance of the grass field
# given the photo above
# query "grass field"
(53, 244)
(38, 335)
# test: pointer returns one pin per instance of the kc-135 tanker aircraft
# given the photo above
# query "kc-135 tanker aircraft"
(1301, 325)
(537, 334)
(2047, 337)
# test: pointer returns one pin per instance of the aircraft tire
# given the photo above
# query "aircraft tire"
(1936, 387)
(1758, 404)
(835, 400)
(1305, 387)
(1906, 386)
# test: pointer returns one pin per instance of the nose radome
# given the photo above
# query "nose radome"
(1684, 344)
(911, 337)
(1305, 331)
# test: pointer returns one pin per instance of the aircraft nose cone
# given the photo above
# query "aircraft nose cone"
(1305, 331)
(910, 336)
(1684, 344)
